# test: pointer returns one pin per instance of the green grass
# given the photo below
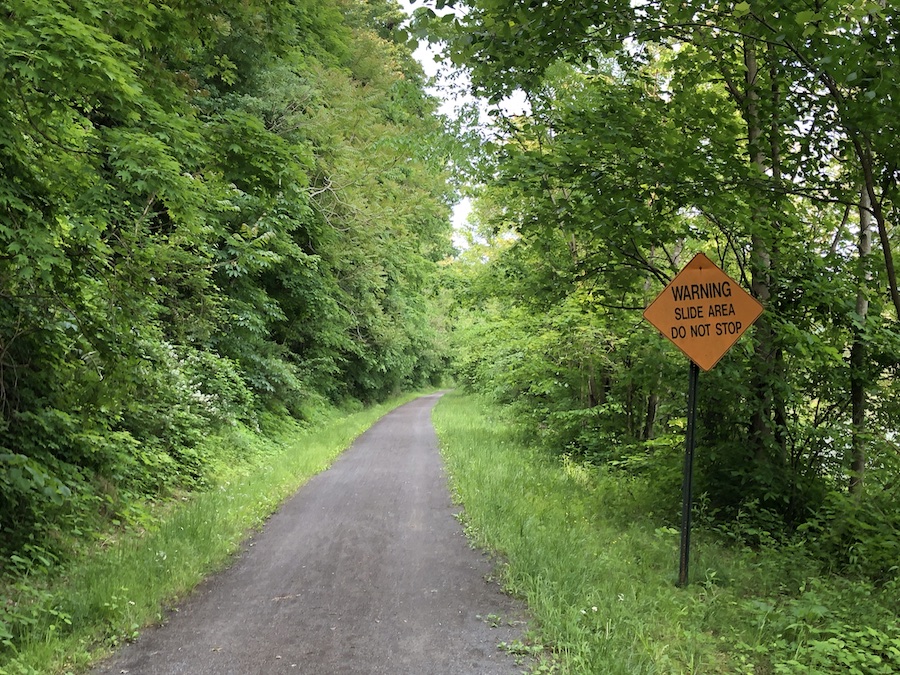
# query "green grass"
(599, 576)
(66, 623)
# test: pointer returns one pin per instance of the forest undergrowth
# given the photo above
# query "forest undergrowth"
(596, 559)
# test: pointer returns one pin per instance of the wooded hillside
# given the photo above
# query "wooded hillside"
(210, 214)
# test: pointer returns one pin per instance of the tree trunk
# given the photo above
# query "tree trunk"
(865, 157)
(629, 403)
(650, 418)
(762, 438)
(592, 398)
(858, 352)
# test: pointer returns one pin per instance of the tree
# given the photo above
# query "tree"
(674, 127)
(191, 234)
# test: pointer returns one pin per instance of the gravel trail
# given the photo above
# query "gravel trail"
(364, 571)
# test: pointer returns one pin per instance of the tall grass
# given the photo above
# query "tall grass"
(599, 576)
(109, 595)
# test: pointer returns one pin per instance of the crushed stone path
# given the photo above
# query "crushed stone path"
(364, 571)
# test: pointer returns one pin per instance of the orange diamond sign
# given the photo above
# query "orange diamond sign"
(703, 311)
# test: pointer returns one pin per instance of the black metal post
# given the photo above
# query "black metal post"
(687, 484)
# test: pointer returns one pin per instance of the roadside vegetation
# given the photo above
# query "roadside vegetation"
(219, 224)
(593, 551)
(758, 134)
(62, 614)
(754, 134)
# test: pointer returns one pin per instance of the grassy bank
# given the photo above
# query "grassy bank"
(599, 575)
(64, 617)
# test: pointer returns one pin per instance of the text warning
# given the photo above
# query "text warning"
(703, 311)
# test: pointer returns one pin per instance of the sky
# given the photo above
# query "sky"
(425, 54)
(440, 73)
(454, 92)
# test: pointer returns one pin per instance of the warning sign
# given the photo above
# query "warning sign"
(703, 311)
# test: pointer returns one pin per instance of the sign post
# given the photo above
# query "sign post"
(703, 312)
(687, 483)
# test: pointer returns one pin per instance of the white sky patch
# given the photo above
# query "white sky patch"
(451, 84)
(460, 218)
(453, 87)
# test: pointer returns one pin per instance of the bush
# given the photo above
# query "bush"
(857, 536)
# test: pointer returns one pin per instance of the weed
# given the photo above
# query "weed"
(598, 573)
